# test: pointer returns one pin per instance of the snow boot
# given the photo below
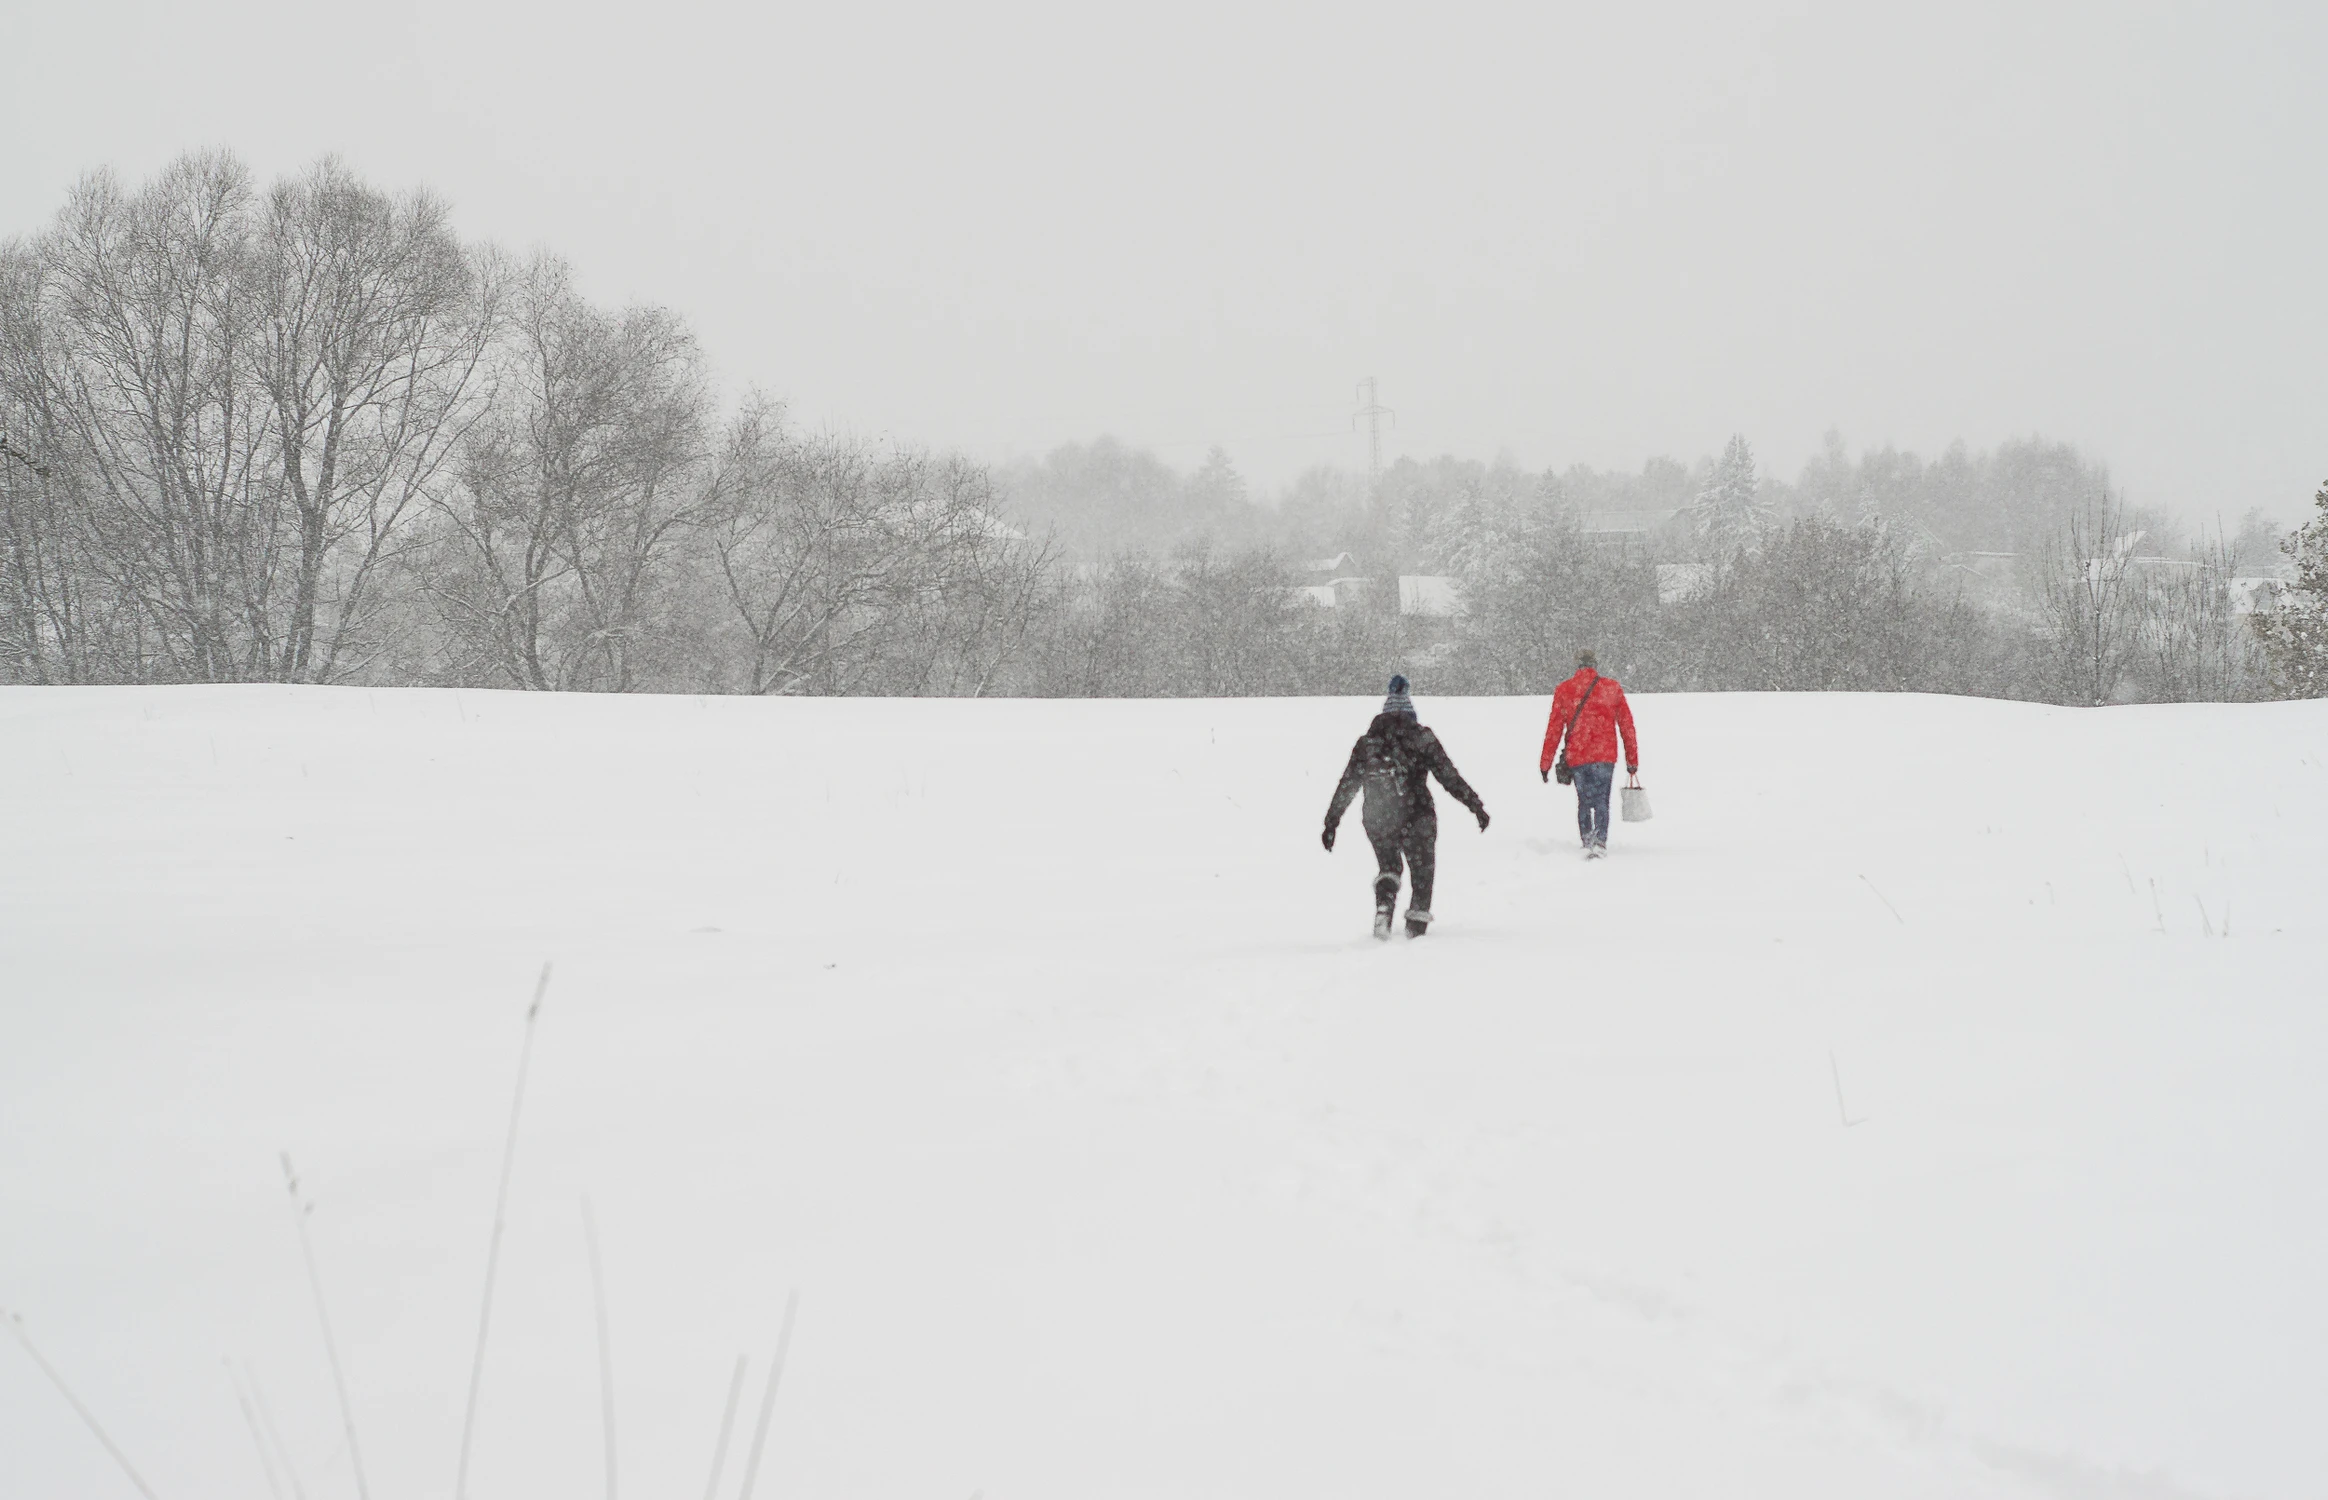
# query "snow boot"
(1385, 901)
(1596, 851)
(1418, 922)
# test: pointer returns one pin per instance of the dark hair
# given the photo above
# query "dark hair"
(1585, 658)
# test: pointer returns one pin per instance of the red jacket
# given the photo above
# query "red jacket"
(1605, 716)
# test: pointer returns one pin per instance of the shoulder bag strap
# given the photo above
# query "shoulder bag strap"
(1572, 716)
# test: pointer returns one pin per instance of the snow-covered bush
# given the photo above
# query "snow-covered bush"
(2295, 634)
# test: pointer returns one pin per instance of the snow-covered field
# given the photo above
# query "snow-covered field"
(1040, 1048)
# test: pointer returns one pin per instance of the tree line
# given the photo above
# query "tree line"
(2021, 572)
(304, 432)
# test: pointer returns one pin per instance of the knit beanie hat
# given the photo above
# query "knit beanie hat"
(1398, 702)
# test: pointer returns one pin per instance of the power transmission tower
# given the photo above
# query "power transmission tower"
(1373, 412)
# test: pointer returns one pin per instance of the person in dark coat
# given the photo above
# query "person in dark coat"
(1393, 763)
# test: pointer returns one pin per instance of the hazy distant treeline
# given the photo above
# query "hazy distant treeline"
(305, 433)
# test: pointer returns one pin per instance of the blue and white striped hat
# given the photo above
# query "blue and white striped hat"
(1398, 702)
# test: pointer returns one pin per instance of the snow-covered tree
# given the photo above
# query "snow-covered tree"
(1730, 511)
(2295, 635)
(1535, 591)
(1217, 489)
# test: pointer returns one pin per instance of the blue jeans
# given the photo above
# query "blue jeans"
(1592, 800)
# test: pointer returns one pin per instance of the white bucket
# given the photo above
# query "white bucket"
(1633, 801)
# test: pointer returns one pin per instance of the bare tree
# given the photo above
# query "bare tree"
(1106, 632)
(980, 589)
(850, 568)
(1234, 624)
(68, 612)
(2087, 605)
(240, 398)
(373, 325)
(2191, 644)
(575, 490)
(148, 300)
(40, 594)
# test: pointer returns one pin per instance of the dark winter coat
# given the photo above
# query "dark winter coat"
(1393, 763)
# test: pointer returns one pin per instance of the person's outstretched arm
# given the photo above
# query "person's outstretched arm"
(1435, 756)
(1625, 728)
(1344, 792)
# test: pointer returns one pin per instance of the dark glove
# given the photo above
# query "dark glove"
(1327, 838)
(1545, 771)
(1632, 770)
(1482, 814)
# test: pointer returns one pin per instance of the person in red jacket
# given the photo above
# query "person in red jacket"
(1591, 711)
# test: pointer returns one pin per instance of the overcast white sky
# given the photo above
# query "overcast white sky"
(1576, 233)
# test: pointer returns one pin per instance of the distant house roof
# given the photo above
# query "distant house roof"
(1433, 595)
(1340, 564)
